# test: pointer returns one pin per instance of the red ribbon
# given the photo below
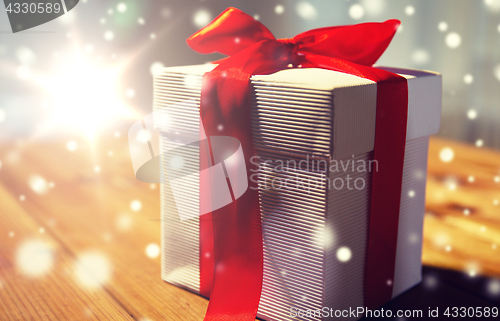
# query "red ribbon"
(237, 247)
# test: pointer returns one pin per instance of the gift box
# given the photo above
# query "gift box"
(313, 133)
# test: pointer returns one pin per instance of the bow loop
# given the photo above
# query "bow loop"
(231, 32)
(362, 43)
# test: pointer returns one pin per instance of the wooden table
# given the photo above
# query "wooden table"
(84, 213)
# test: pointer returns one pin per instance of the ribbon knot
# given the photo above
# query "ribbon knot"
(234, 232)
(289, 42)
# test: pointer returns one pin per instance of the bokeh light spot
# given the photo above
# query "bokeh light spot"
(356, 11)
(92, 270)
(135, 205)
(152, 250)
(442, 26)
(156, 68)
(201, 18)
(472, 114)
(306, 10)
(409, 10)
(38, 184)
(34, 258)
(344, 254)
(468, 79)
(446, 155)
(453, 40)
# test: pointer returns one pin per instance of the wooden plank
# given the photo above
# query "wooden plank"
(27, 295)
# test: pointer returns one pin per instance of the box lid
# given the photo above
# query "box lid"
(354, 102)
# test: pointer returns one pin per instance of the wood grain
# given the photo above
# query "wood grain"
(89, 210)
(462, 223)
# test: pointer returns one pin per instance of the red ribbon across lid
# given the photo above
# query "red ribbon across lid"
(232, 236)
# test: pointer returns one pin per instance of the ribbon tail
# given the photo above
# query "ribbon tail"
(237, 230)
(388, 154)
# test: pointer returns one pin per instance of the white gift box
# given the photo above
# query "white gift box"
(314, 235)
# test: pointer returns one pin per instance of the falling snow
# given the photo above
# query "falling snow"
(156, 68)
(135, 205)
(496, 71)
(35, 258)
(468, 79)
(356, 11)
(373, 7)
(152, 250)
(121, 7)
(430, 282)
(453, 40)
(442, 26)
(201, 18)
(306, 11)
(472, 114)
(92, 270)
(410, 10)
(109, 35)
(420, 57)
(176, 162)
(446, 155)
(25, 55)
(494, 287)
(493, 5)
(38, 184)
(124, 222)
(344, 254)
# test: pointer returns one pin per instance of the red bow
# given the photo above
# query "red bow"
(235, 284)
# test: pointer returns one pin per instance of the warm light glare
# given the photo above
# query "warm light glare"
(84, 96)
